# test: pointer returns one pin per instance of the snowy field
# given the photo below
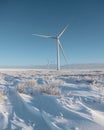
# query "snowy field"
(50, 100)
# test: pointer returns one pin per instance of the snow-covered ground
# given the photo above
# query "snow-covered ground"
(51, 100)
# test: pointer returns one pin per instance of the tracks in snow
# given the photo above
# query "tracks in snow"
(23, 115)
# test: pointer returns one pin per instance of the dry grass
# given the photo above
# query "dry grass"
(51, 91)
(31, 87)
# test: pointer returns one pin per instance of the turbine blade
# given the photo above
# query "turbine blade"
(60, 34)
(44, 36)
(63, 52)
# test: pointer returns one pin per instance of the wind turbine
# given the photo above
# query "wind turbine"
(59, 46)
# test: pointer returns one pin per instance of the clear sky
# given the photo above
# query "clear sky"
(83, 41)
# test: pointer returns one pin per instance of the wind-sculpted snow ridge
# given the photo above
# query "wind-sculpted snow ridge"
(51, 100)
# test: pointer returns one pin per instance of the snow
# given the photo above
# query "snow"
(51, 100)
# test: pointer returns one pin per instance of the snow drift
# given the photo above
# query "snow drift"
(50, 100)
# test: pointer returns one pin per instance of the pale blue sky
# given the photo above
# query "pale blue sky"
(83, 41)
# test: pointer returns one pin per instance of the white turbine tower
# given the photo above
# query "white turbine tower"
(57, 37)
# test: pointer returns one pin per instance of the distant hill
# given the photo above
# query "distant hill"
(84, 66)
(53, 66)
